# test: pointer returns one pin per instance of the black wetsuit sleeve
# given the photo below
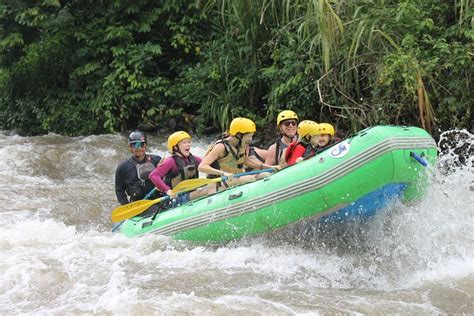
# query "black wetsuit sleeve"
(120, 185)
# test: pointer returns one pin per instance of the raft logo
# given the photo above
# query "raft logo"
(340, 150)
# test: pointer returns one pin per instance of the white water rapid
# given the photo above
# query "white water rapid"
(58, 256)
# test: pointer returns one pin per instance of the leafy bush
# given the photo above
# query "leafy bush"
(81, 67)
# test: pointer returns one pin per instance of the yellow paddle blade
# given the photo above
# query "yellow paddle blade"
(133, 209)
(191, 184)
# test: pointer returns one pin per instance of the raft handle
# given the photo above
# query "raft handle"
(236, 195)
(146, 224)
(419, 158)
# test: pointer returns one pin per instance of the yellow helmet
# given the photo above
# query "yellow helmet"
(308, 127)
(286, 115)
(326, 128)
(242, 125)
(175, 138)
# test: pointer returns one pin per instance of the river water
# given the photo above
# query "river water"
(58, 256)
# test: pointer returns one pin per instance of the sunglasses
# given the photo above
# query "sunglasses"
(290, 122)
(138, 145)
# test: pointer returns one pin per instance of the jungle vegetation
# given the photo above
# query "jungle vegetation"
(79, 67)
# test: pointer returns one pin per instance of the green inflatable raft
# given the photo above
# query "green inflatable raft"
(354, 178)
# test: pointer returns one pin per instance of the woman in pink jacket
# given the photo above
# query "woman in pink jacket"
(180, 166)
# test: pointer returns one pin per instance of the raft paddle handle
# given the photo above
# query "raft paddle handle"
(236, 195)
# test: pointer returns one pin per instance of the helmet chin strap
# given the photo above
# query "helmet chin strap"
(178, 151)
(239, 138)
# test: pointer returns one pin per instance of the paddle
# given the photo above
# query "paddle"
(189, 185)
(117, 226)
(133, 209)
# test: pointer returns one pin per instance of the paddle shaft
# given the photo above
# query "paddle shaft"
(193, 184)
(249, 173)
(148, 196)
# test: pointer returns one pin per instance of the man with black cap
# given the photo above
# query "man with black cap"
(131, 175)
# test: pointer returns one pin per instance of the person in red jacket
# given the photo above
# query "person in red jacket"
(305, 147)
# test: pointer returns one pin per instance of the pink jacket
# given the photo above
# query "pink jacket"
(163, 168)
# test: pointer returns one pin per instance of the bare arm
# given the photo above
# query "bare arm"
(213, 155)
(261, 152)
(270, 157)
(255, 164)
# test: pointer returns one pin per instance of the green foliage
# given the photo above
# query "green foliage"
(97, 66)
(81, 67)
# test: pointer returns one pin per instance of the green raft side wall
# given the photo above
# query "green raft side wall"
(316, 203)
(189, 222)
(291, 210)
(368, 178)
(262, 220)
(332, 196)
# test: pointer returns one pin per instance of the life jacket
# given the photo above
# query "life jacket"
(310, 151)
(136, 191)
(289, 150)
(280, 146)
(187, 169)
(253, 153)
(233, 160)
(144, 169)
